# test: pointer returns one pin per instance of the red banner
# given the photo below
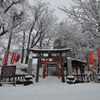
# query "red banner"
(91, 58)
(98, 52)
(88, 61)
(18, 57)
(13, 58)
(5, 58)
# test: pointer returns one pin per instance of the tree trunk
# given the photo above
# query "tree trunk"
(22, 58)
(9, 43)
(27, 53)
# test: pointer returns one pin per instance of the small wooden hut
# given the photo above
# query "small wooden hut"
(79, 66)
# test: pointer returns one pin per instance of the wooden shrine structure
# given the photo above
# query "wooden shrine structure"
(56, 55)
(77, 64)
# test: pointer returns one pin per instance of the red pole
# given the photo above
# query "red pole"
(18, 57)
(5, 57)
(13, 58)
(58, 69)
(98, 52)
(44, 68)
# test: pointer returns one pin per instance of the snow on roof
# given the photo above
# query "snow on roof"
(50, 50)
(78, 60)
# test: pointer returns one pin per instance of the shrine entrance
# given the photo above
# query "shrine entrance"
(50, 57)
(46, 63)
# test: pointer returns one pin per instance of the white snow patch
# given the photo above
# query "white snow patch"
(51, 88)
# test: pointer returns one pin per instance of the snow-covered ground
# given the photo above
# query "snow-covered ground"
(51, 88)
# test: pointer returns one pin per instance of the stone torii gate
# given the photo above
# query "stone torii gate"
(50, 54)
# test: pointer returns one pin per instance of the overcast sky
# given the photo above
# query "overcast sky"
(58, 3)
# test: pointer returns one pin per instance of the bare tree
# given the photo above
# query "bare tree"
(41, 22)
(87, 14)
(5, 8)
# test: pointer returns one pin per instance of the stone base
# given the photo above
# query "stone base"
(70, 80)
(28, 83)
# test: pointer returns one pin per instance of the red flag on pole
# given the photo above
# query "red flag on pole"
(88, 61)
(5, 58)
(13, 58)
(98, 52)
(91, 58)
(18, 57)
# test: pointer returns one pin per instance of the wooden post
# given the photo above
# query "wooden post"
(37, 70)
(66, 72)
(58, 68)
(29, 71)
(81, 73)
(77, 73)
(62, 70)
(47, 69)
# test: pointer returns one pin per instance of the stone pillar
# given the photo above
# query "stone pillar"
(62, 70)
(95, 77)
(69, 66)
(37, 70)
(29, 70)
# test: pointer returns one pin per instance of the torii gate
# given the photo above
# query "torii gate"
(44, 67)
(48, 53)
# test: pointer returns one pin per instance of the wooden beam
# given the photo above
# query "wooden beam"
(53, 57)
